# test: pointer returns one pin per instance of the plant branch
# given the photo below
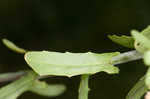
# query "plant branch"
(5, 77)
(126, 57)
(120, 59)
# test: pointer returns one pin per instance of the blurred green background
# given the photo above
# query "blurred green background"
(74, 26)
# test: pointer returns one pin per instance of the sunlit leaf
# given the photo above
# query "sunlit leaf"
(138, 90)
(13, 47)
(123, 40)
(44, 89)
(70, 64)
(15, 89)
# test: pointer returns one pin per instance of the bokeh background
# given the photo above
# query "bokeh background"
(74, 26)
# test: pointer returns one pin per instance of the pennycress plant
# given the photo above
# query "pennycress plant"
(48, 63)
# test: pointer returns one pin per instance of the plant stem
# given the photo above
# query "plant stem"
(83, 88)
(120, 59)
(127, 57)
(5, 77)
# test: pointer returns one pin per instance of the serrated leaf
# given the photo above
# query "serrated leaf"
(15, 89)
(13, 47)
(142, 42)
(44, 89)
(147, 58)
(70, 64)
(138, 90)
(123, 40)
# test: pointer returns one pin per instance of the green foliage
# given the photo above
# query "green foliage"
(44, 89)
(123, 40)
(47, 63)
(70, 64)
(139, 40)
(143, 43)
(15, 89)
(29, 82)
(63, 64)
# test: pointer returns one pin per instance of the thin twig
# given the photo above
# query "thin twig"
(120, 59)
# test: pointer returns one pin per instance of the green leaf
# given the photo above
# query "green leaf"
(70, 64)
(15, 89)
(13, 47)
(83, 88)
(146, 32)
(142, 42)
(123, 40)
(138, 90)
(139, 40)
(44, 89)
(147, 58)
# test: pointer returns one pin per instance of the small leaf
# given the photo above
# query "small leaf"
(70, 64)
(83, 88)
(143, 43)
(13, 47)
(123, 40)
(15, 89)
(147, 58)
(44, 89)
(138, 90)
(146, 32)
